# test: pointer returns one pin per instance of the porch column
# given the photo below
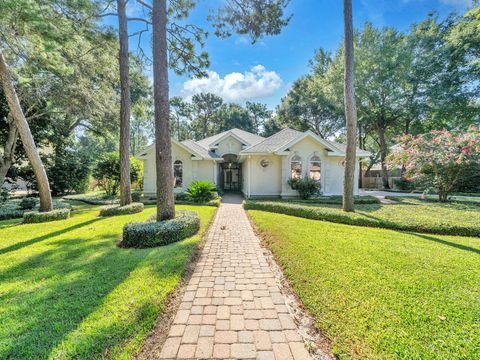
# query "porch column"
(215, 176)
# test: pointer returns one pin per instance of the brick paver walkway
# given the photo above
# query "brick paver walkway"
(232, 307)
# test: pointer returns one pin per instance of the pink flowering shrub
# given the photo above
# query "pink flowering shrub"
(440, 159)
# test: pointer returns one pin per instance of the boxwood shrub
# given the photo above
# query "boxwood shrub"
(113, 210)
(332, 200)
(336, 215)
(31, 217)
(157, 233)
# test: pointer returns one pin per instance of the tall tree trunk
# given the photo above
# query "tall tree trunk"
(163, 154)
(26, 136)
(350, 110)
(8, 157)
(125, 186)
(383, 157)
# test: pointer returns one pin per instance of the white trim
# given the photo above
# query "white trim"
(174, 141)
(307, 133)
(225, 136)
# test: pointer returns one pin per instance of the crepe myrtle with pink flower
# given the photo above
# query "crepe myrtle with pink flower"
(440, 159)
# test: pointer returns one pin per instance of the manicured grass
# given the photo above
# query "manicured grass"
(382, 294)
(410, 214)
(67, 290)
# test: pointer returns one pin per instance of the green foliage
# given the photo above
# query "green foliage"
(306, 187)
(381, 294)
(107, 172)
(158, 233)
(115, 210)
(202, 191)
(332, 200)
(439, 159)
(136, 196)
(404, 184)
(11, 208)
(83, 308)
(253, 17)
(95, 198)
(68, 170)
(411, 215)
(31, 217)
(27, 203)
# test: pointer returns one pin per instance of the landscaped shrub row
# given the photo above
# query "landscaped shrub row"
(152, 233)
(93, 199)
(333, 200)
(185, 201)
(31, 217)
(14, 209)
(338, 216)
(113, 210)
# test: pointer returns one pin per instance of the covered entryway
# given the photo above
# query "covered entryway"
(230, 173)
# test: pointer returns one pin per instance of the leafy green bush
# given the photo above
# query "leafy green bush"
(38, 217)
(136, 196)
(68, 169)
(336, 215)
(113, 210)
(202, 191)
(333, 199)
(107, 172)
(306, 187)
(157, 233)
(404, 184)
(98, 198)
(27, 203)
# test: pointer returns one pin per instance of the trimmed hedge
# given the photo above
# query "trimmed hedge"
(31, 217)
(152, 233)
(216, 202)
(93, 199)
(113, 210)
(336, 215)
(332, 200)
(11, 209)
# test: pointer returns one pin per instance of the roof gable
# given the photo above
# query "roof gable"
(328, 145)
(243, 136)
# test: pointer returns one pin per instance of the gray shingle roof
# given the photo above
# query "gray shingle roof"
(205, 153)
(249, 138)
(273, 142)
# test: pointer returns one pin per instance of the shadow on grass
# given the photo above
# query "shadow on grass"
(23, 244)
(50, 297)
(446, 242)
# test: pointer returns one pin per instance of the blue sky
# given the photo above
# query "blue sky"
(264, 71)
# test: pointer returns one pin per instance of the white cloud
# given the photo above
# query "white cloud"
(236, 87)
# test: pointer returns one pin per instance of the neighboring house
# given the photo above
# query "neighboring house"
(240, 161)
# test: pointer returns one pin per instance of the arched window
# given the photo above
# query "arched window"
(178, 173)
(315, 168)
(296, 167)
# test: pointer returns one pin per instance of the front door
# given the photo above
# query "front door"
(232, 176)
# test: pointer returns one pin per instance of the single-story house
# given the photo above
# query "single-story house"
(237, 160)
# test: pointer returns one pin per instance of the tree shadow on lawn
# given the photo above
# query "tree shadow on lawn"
(23, 244)
(445, 242)
(53, 292)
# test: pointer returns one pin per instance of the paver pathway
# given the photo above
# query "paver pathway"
(232, 307)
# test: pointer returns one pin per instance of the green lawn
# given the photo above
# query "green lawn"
(67, 291)
(380, 293)
(410, 214)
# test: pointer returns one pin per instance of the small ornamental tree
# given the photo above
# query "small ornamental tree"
(107, 172)
(440, 159)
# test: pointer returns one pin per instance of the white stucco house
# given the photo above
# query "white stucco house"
(258, 167)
